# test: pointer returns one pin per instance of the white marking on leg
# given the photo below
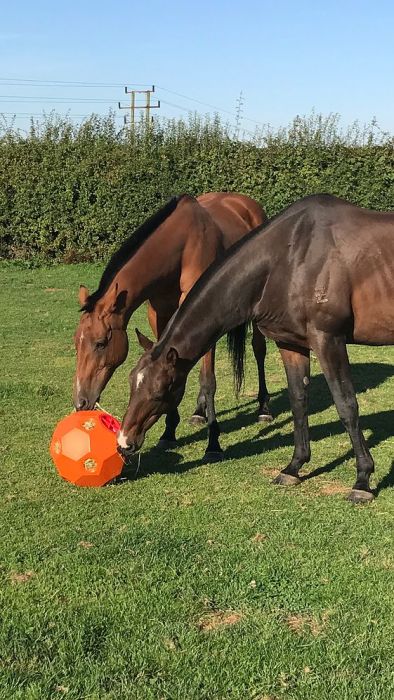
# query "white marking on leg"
(122, 440)
(140, 379)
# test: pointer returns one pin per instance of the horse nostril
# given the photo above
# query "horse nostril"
(125, 449)
(126, 452)
(82, 405)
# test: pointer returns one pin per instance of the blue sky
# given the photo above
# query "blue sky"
(287, 57)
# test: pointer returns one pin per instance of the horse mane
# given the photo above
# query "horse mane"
(128, 248)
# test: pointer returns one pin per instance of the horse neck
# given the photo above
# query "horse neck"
(158, 261)
(146, 269)
(220, 301)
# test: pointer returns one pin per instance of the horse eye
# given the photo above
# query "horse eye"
(100, 344)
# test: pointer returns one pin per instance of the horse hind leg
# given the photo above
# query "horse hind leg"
(297, 366)
(333, 357)
(259, 346)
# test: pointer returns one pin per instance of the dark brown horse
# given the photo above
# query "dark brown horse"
(160, 263)
(318, 276)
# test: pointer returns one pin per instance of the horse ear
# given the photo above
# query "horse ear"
(115, 301)
(83, 294)
(145, 342)
(172, 356)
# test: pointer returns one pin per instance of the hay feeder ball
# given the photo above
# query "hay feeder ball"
(84, 448)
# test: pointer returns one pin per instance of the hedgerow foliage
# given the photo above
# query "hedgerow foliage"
(73, 192)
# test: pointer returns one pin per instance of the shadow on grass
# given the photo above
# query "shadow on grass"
(380, 425)
(387, 481)
(155, 462)
(366, 376)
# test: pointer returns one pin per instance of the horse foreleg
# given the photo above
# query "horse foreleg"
(168, 439)
(189, 277)
(214, 452)
(259, 346)
(332, 354)
(199, 416)
(297, 366)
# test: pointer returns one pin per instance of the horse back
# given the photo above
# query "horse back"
(331, 268)
(235, 214)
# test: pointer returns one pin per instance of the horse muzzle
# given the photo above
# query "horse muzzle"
(127, 452)
(84, 403)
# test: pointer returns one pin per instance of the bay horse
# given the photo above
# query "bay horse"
(316, 277)
(160, 263)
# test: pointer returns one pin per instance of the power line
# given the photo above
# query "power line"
(193, 99)
(91, 84)
(46, 98)
(207, 104)
(70, 83)
(172, 104)
(40, 114)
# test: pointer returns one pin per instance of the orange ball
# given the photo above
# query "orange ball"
(84, 448)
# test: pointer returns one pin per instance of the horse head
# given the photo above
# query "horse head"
(101, 345)
(157, 384)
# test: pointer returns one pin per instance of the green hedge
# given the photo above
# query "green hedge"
(74, 192)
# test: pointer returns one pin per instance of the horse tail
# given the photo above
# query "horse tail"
(236, 340)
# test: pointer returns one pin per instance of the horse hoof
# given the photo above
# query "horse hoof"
(166, 444)
(286, 480)
(359, 496)
(264, 418)
(197, 420)
(211, 457)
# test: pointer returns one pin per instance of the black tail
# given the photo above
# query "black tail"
(236, 339)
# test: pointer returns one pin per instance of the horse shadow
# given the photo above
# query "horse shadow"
(366, 376)
(154, 461)
(379, 424)
(386, 482)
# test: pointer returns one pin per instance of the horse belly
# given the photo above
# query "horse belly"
(373, 311)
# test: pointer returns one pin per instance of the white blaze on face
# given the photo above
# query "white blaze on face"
(122, 440)
(81, 337)
(78, 386)
(140, 379)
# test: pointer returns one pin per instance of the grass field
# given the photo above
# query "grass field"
(192, 582)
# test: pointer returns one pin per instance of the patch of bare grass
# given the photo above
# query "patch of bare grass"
(218, 619)
(304, 623)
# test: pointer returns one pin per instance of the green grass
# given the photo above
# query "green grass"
(159, 587)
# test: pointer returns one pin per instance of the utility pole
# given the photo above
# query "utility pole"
(238, 117)
(133, 106)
